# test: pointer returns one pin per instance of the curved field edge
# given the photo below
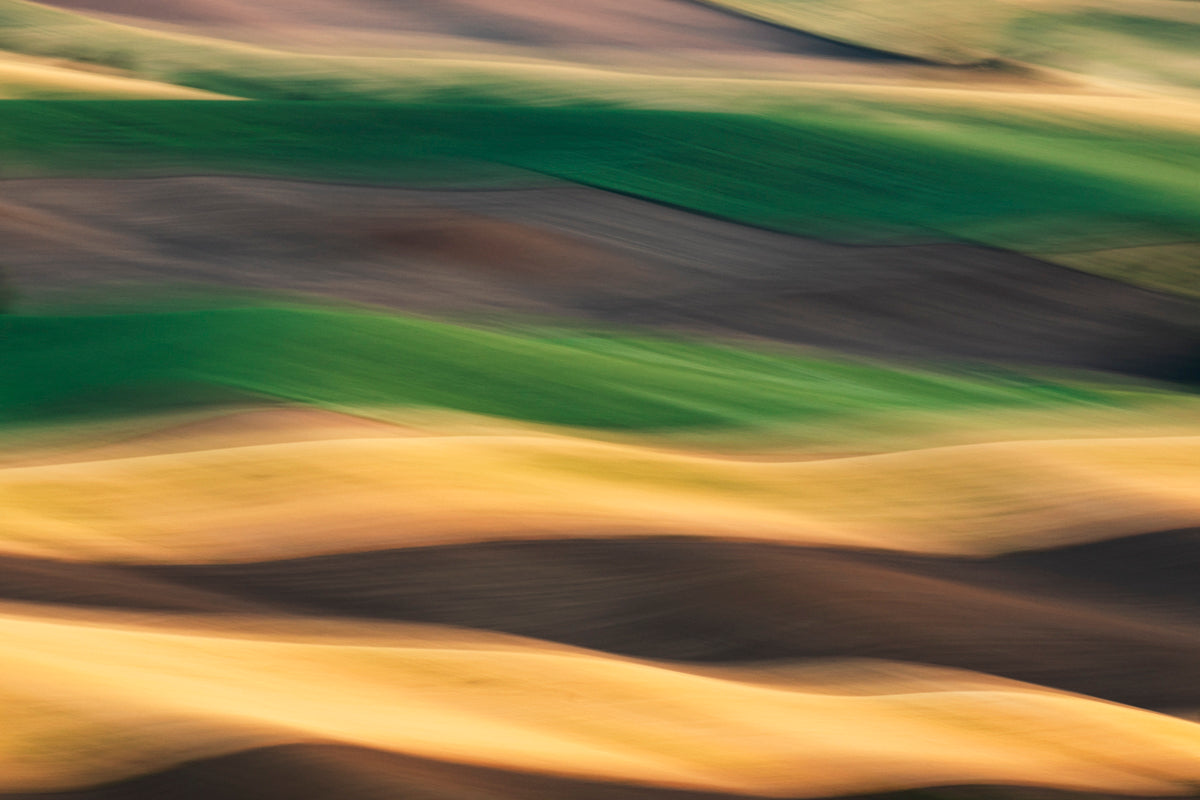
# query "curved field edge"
(59, 441)
(845, 175)
(1143, 42)
(91, 366)
(104, 697)
(1045, 617)
(1173, 268)
(943, 39)
(313, 498)
(321, 771)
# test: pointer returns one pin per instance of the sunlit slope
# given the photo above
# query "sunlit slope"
(20, 78)
(1146, 41)
(280, 501)
(830, 173)
(93, 700)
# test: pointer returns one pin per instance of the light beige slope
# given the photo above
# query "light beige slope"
(21, 78)
(306, 498)
(87, 701)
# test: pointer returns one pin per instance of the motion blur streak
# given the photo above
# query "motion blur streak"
(599, 400)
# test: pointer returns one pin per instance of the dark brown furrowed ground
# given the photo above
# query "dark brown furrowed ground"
(583, 254)
(328, 771)
(1118, 620)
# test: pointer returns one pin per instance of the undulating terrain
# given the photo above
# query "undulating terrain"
(599, 399)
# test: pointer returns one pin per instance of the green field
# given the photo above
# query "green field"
(843, 175)
(65, 367)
